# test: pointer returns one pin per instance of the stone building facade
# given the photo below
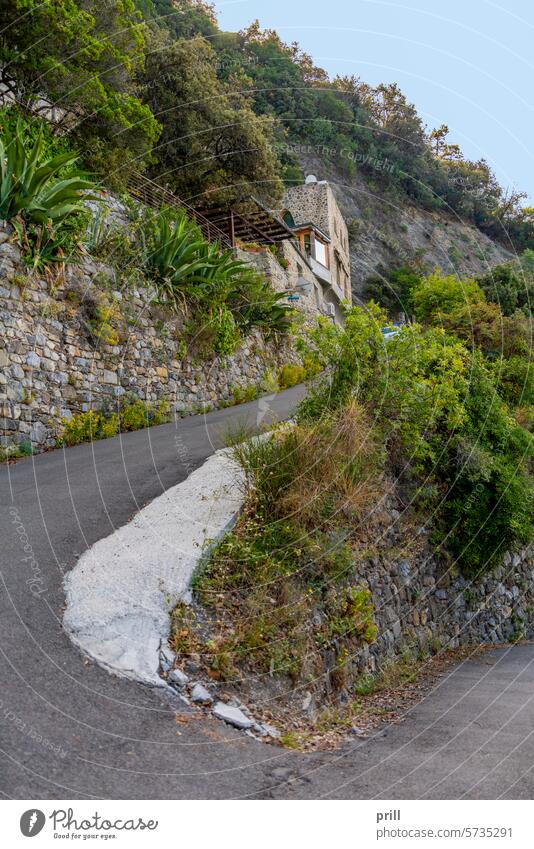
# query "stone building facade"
(312, 214)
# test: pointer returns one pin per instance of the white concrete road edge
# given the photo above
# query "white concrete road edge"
(120, 592)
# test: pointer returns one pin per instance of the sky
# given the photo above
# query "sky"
(464, 63)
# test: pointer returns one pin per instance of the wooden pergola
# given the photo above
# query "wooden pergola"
(245, 222)
(248, 222)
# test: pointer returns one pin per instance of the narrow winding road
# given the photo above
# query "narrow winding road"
(68, 729)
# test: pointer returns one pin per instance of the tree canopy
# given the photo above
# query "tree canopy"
(81, 56)
(213, 146)
(230, 106)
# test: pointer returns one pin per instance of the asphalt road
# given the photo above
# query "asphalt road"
(70, 730)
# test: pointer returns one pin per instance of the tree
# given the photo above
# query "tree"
(81, 56)
(440, 147)
(392, 288)
(374, 130)
(484, 326)
(509, 286)
(436, 296)
(183, 18)
(213, 148)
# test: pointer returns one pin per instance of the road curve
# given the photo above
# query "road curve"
(70, 730)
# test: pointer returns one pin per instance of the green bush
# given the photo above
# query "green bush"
(290, 375)
(503, 338)
(437, 295)
(244, 394)
(511, 286)
(87, 427)
(490, 497)
(392, 288)
(93, 424)
(444, 425)
(139, 414)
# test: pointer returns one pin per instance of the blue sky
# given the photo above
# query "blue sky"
(466, 63)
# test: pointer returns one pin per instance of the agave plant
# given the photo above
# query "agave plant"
(256, 304)
(182, 263)
(172, 254)
(30, 188)
(45, 210)
(186, 268)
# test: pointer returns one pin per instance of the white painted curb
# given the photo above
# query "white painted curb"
(121, 591)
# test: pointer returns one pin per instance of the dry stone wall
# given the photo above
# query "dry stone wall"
(53, 366)
(424, 605)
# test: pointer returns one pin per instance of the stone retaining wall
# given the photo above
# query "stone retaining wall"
(424, 606)
(53, 364)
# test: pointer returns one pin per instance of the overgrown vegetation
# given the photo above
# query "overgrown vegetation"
(46, 209)
(101, 424)
(449, 433)
(281, 586)
(281, 591)
(85, 59)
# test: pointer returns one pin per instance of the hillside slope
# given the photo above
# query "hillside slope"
(384, 232)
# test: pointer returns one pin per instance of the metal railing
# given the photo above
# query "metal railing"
(152, 194)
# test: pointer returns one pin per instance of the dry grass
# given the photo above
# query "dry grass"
(282, 589)
(323, 474)
(337, 477)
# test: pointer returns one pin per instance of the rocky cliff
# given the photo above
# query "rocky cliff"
(384, 232)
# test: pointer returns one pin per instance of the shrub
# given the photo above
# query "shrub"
(139, 414)
(93, 424)
(243, 394)
(269, 383)
(504, 339)
(316, 474)
(104, 319)
(308, 489)
(290, 375)
(510, 286)
(392, 288)
(490, 497)
(444, 425)
(87, 427)
(436, 295)
(134, 416)
(515, 380)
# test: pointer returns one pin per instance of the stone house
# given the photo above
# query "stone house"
(302, 248)
(319, 249)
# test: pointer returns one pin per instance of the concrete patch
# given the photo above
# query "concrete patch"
(120, 592)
